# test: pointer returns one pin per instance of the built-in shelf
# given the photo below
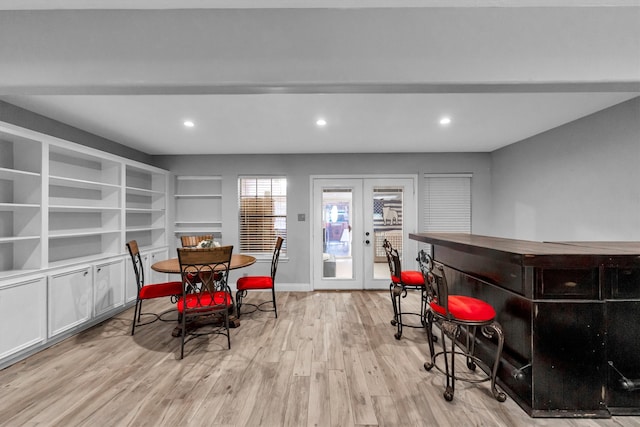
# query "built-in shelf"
(18, 206)
(80, 183)
(63, 208)
(6, 173)
(198, 196)
(198, 203)
(20, 203)
(79, 232)
(144, 191)
(145, 206)
(18, 238)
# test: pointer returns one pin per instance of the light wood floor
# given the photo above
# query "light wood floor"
(330, 359)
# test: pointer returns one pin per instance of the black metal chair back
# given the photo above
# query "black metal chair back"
(149, 291)
(275, 258)
(138, 267)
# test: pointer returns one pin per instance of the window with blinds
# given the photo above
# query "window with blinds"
(447, 203)
(263, 213)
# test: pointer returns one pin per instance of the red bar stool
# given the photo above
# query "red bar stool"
(453, 313)
(401, 283)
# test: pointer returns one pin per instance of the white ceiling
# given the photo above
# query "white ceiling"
(255, 75)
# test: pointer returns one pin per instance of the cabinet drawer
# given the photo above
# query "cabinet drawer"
(568, 283)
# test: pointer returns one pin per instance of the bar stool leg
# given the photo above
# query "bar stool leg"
(489, 331)
(431, 338)
(396, 296)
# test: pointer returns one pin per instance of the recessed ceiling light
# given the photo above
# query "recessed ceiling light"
(321, 122)
(445, 121)
(189, 123)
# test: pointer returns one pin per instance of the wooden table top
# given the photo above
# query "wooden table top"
(172, 265)
(527, 247)
(537, 254)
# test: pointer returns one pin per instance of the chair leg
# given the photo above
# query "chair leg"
(430, 340)
(451, 357)
(397, 292)
(489, 331)
(226, 325)
(239, 296)
(182, 335)
(423, 306)
(471, 348)
(273, 295)
(393, 302)
(396, 295)
(136, 315)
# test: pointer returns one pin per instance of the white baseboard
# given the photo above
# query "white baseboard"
(294, 287)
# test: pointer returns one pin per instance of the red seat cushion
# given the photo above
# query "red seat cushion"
(254, 282)
(159, 290)
(410, 278)
(205, 301)
(466, 308)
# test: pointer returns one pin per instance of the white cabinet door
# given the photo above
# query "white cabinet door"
(23, 315)
(131, 287)
(108, 290)
(69, 299)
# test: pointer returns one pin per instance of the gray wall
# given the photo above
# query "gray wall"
(299, 168)
(580, 181)
(20, 117)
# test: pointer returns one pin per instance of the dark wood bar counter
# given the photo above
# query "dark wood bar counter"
(570, 312)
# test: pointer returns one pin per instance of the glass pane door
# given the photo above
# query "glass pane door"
(351, 219)
(337, 243)
(337, 205)
(390, 214)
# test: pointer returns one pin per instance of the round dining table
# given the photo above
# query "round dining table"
(172, 265)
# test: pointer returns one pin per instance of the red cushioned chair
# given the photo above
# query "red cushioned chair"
(206, 298)
(401, 282)
(249, 283)
(455, 314)
(151, 291)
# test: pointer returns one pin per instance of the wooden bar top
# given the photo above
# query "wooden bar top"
(527, 252)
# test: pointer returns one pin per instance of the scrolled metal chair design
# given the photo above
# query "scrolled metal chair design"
(149, 291)
(249, 283)
(453, 313)
(401, 283)
(205, 292)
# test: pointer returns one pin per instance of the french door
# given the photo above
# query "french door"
(351, 217)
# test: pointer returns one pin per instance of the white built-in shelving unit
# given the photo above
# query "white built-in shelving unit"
(85, 215)
(20, 205)
(66, 212)
(146, 194)
(198, 205)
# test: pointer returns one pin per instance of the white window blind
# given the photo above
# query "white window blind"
(447, 203)
(263, 213)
